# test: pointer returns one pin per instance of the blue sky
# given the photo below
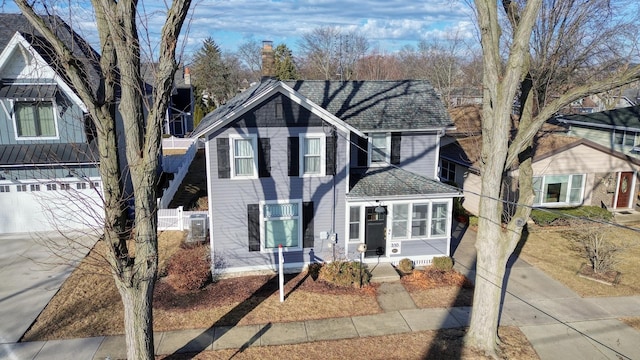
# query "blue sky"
(388, 24)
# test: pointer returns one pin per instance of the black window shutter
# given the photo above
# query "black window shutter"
(293, 149)
(224, 167)
(331, 155)
(253, 221)
(307, 225)
(395, 148)
(363, 146)
(264, 157)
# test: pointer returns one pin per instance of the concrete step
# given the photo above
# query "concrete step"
(383, 272)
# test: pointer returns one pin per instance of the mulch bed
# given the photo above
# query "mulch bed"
(233, 290)
(610, 277)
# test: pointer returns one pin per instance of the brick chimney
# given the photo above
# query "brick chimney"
(268, 60)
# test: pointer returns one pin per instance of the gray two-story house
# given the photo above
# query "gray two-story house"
(49, 178)
(320, 167)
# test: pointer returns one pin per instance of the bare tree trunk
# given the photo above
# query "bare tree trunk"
(134, 269)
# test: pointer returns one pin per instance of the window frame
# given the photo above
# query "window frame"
(263, 226)
(540, 192)
(408, 235)
(387, 153)
(232, 156)
(359, 222)
(322, 155)
(54, 110)
(450, 168)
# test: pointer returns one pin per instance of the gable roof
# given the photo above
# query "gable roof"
(627, 118)
(466, 152)
(468, 122)
(360, 106)
(379, 105)
(12, 23)
(395, 182)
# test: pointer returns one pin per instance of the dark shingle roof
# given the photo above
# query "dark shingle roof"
(365, 105)
(10, 23)
(390, 181)
(44, 154)
(378, 105)
(622, 118)
(27, 92)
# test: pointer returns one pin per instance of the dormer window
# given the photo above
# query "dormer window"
(35, 119)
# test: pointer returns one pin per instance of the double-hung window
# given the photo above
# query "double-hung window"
(281, 225)
(243, 156)
(379, 149)
(447, 170)
(35, 119)
(312, 154)
(354, 223)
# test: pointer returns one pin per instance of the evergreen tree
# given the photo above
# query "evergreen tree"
(212, 75)
(285, 66)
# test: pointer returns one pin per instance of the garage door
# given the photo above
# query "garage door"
(34, 206)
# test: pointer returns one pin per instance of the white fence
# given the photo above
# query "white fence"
(175, 219)
(174, 184)
(177, 143)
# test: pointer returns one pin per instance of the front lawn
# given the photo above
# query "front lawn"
(555, 253)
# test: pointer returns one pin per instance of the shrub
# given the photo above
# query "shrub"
(344, 273)
(569, 216)
(190, 268)
(473, 221)
(442, 263)
(405, 266)
(597, 247)
(314, 270)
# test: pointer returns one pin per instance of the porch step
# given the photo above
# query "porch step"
(383, 272)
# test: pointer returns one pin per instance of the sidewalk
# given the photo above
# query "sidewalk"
(558, 323)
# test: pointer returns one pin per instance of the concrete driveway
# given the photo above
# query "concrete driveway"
(32, 269)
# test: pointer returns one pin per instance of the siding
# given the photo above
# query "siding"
(231, 197)
(70, 122)
(418, 153)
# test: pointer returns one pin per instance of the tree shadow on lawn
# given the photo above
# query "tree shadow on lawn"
(233, 317)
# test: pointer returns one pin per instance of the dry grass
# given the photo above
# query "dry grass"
(431, 288)
(169, 152)
(444, 344)
(88, 303)
(634, 322)
(554, 253)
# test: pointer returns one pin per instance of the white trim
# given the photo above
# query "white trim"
(568, 193)
(54, 109)
(631, 188)
(207, 156)
(19, 40)
(387, 158)
(279, 87)
(323, 153)
(263, 238)
(232, 149)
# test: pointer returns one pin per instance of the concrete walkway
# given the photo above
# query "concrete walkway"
(558, 323)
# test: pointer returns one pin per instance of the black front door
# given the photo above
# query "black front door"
(375, 228)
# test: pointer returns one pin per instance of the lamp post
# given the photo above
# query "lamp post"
(362, 247)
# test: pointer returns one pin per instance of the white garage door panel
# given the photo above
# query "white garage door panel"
(23, 212)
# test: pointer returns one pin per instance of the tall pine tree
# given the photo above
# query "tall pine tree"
(285, 66)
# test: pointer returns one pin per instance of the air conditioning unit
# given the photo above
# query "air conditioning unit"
(198, 228)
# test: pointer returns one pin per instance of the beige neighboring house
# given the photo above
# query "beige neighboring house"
(568, 172)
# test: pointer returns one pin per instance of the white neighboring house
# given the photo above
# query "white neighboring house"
(49, 178)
